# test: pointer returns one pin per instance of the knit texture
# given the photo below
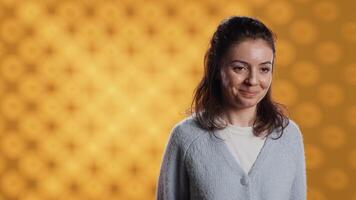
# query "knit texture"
(197, 165)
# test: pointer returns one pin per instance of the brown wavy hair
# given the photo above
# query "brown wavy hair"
(207, 104)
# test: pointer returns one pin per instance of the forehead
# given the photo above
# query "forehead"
(253, 50)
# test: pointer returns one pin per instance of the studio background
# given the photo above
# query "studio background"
(89, 90)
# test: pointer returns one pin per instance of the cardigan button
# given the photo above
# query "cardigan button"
(243, 181)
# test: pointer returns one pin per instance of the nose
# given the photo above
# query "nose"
(251, 79)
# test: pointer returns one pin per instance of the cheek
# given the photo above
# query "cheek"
(227, 79)
(266, 82)
(229, 84)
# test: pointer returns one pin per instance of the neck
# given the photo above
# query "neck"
(240, 117)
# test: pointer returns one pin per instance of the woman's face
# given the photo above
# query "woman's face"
(246, 73)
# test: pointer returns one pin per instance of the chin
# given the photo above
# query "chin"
(247, 103)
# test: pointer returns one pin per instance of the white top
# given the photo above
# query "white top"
(242, 144)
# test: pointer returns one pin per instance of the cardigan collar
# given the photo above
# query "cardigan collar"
(265, 151)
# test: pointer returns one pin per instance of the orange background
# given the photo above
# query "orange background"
(89, 90)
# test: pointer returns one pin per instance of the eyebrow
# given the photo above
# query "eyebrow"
(246, 63)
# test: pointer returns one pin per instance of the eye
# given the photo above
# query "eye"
(265, 69)
(238, 68)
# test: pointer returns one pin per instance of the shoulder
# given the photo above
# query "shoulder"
(293, 124)
(293, 130)
(291, 134)
(294, 137)
(186, 132)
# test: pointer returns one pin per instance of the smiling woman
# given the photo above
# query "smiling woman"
(231, 146)
(239, 65)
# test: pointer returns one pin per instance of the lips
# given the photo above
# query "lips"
(248, 93)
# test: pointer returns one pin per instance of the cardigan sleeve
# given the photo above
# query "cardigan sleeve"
(173, 181)
(299, 186)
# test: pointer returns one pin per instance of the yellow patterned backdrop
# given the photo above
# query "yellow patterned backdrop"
(89, 90)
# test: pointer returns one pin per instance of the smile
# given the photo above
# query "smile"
(248, 94)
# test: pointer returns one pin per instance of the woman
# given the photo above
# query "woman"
(237, 143)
